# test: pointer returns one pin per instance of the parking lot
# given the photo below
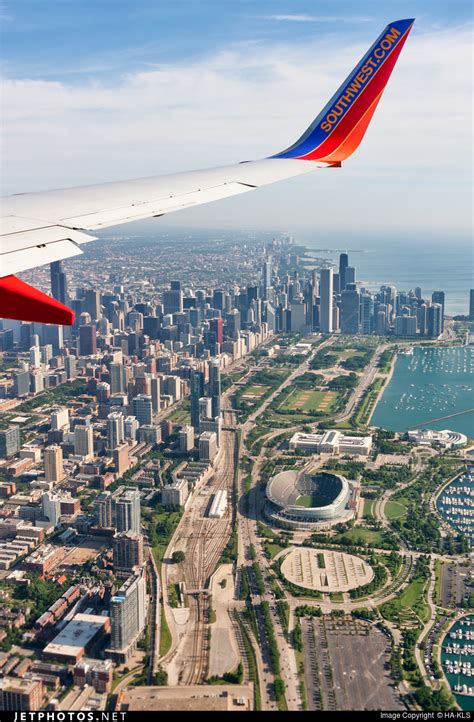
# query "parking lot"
(453, 584)
(346, 666)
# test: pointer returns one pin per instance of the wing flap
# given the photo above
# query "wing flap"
(28, 242)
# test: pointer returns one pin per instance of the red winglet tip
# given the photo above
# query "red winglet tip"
(20, 301)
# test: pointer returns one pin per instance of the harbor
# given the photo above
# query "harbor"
(457, 659)
(430, 388)
(456, 504)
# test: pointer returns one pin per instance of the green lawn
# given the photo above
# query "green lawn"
(309, 400)
(371, 536)
(369, 508)
(165, 635)
(395, 510)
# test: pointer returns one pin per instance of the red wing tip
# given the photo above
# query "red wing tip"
(22, 302)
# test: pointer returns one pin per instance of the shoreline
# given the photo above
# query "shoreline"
(381, 392)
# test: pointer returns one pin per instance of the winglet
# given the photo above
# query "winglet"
(339, 128)
(22, 302)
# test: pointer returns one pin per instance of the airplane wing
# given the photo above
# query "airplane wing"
(38, 228)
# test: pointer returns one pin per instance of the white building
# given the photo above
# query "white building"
(207, 446)
(175, 494)
(186, 438)
(219, 505)
(332, 442)
(131, 426)
(51, 505)
(60, 419)
(429, 437)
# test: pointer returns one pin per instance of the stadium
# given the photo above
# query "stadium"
(303, 500)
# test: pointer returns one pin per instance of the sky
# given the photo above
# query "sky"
(103, 90)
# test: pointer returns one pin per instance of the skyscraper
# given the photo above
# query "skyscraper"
(83, 440)
(87, 340)
(115, 429)
(343, 263)
(143, 409)
(127, 511)
(118, 378)
(439, 297)
(435, 327)
(215, 327)
(326, 300)
(127, 551)
(53, 463)
(9, 442)
(215, 386)
(197, 392)
(58, 282)
(350, 309)
(155, 387)
(128, 615)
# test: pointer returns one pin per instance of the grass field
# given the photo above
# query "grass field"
(370, 536)
(255, 390)
(306, 501)
(309, 400)
(369, 508)
(395, 510)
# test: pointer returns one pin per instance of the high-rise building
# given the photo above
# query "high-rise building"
(60, 419)
(87, 340)
(118, 378)
(127, 511)
(367, 313)
(83, 441)
(92, 304)
(350, 309)
(51, 507)
(186, 438)
(207, 446)
(35, 356)
(155, 388)
(143, 409)
(127, 551)
(197, 392)
(115, 429)
(70, 364)
(131, 427)
(103, 510)
(173, 299)
(21, 383)
(216, 329)
(9, 442)
(439, 297)
(121, 459)
(435, 316)
(215, 387)
(267, 277)
(58, 282)
(128, 615)
(343, 264)
(53, 463)
(326, 300)
(350, 275)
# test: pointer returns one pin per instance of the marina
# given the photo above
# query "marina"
(456, 504)
(457, 659)
(430, 387)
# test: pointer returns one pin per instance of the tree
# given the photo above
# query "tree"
(178, 557)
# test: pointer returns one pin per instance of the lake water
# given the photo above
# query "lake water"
(434, 264)
(433, 383)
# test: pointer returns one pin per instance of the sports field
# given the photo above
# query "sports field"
(309, 400)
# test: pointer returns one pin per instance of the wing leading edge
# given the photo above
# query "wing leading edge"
(38, 228)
